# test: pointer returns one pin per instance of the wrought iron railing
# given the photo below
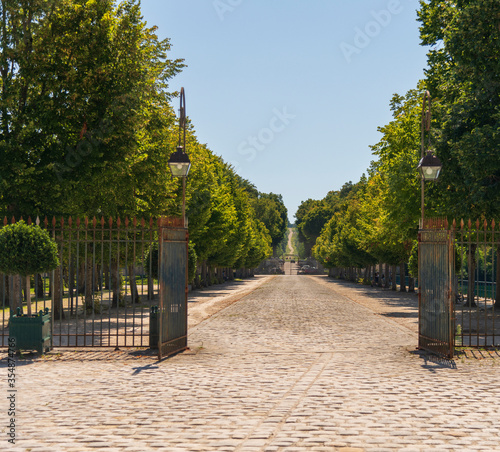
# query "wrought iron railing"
(102, 293)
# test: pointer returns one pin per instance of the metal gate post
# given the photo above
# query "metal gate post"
(435, 305)
(173, 279)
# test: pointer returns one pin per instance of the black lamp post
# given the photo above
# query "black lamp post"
(179, 161)
(429, 165)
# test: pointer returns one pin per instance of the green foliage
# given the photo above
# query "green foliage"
(271, 210)
(413, 261)
(82, 84)
(192, 262)
(87, 128)
(464, 79)
(376, 220)
(26, 250)
(313, 215)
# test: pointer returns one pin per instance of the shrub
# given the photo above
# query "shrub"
(26, 250)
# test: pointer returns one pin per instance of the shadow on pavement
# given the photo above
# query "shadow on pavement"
(433, 362)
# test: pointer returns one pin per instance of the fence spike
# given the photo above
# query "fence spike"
(78, 222)
(94, 222)
(29, 220)
(5, 221)
(70, 221)
(143, 222)
(54, 221)
(62, 222)
(20, 219)
(37, 221)
(469, 224)
(86, 222)
(485, 224)
(110, 222)
(151, 222)
(134, 222)
(492, 224)
(102, 222)
(477, 223)
(454, 224)
(126, 222)
(118, 222)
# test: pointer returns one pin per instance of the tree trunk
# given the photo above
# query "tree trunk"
(105, 270)
(133, 284)
(27, 293)
(81, 278)
(497, 279)
(98, 278)
(402, 279)
(57, 297)
(472, 274)
(411, 285)
(89, 286)
(71, 287)
(151, 289)
(204, 274)
(116, 283)
(15, 293)
(393, 278)
(4, 297)
(39, 281)
(386, 276)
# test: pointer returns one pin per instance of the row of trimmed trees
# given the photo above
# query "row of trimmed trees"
(376, 219)
(87, 128)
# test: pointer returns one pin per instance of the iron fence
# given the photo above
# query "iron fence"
(105, 288)
(477, 295)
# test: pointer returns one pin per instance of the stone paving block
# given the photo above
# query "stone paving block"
(289, 367)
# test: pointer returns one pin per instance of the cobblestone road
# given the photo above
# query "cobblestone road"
(293, 366)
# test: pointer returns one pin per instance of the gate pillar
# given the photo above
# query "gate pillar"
(173, 280)
(435, 306)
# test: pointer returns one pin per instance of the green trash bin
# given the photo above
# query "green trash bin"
(31, 332)
(154, 327)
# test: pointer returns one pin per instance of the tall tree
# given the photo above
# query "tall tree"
(271, 210)
(78, 80)
(464, 78)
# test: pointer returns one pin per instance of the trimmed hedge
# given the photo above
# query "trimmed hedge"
(26, 250)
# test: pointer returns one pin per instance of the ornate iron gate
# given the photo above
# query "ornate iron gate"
(173, 279)
(114, 280)
(435, 276)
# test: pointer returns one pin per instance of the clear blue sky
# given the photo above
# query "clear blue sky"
(291, 92)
